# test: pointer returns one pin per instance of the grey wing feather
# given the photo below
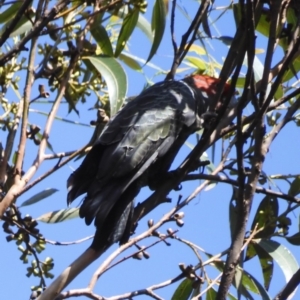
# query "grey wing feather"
(134, 139)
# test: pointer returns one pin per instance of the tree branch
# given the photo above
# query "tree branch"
(289, 288)
(184, 47)
(19, 185)
(223, 179)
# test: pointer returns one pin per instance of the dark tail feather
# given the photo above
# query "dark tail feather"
(114, 229)
(78, 183)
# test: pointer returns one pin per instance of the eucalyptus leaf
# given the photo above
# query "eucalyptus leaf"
(59, 215)
(295, 187)
(39, 196)
(130, 62)
(184, 290)
(252, 284)
(129, 23)
(158, 25)
(115, 78)
(267, 265)
(99, 33)
(10, 12)
(142, 23)
(196, 63)
(211, 294)
(265, 217)
(281, 255)
(294, 239)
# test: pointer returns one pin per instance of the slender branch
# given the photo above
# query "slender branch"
(25, 106)
(249, 119)
(39, 237)
(276, 129)
(174, 3)
(289, 288)
(19, 185)
(208, 287)
(246, 191)
(58, 155)
(185, 45)
(223, 179)
(147, 233)
(161, 239)
(52, 170)
(149, 290)
(8, 147)
(292, 51)
(107, 7)
(275, 9)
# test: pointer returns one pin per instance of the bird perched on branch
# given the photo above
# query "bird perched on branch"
(137, 146)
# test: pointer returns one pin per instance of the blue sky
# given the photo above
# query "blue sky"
(206, 217)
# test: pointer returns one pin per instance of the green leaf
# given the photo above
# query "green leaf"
(263, 25)
(158, 25)
(281, 255)
(295, 187)
(294, 239)
(245, 281)
(129, 23)
(115, 78)
(251, 252)
(99, 33)
(249, 283)
(243, 291)
(211, 294)
(227, 40)
(265, 217)
(142, 23)
(39, 196)
(49, 145)
(252, 284)
(267, 265)
(184, 290)
(10, 12)
(197, 49)
(240, 82)
(59, 215)
(143, 61)
(197, 62)
(130, 62)
(23, 26)
(279, 93)
(292, 70)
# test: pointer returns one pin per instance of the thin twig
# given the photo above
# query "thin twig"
(223, 179)
(18, 186)
(289, 288)
(162, 239)
(24, 103)
(174, 2)
(185, 45)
